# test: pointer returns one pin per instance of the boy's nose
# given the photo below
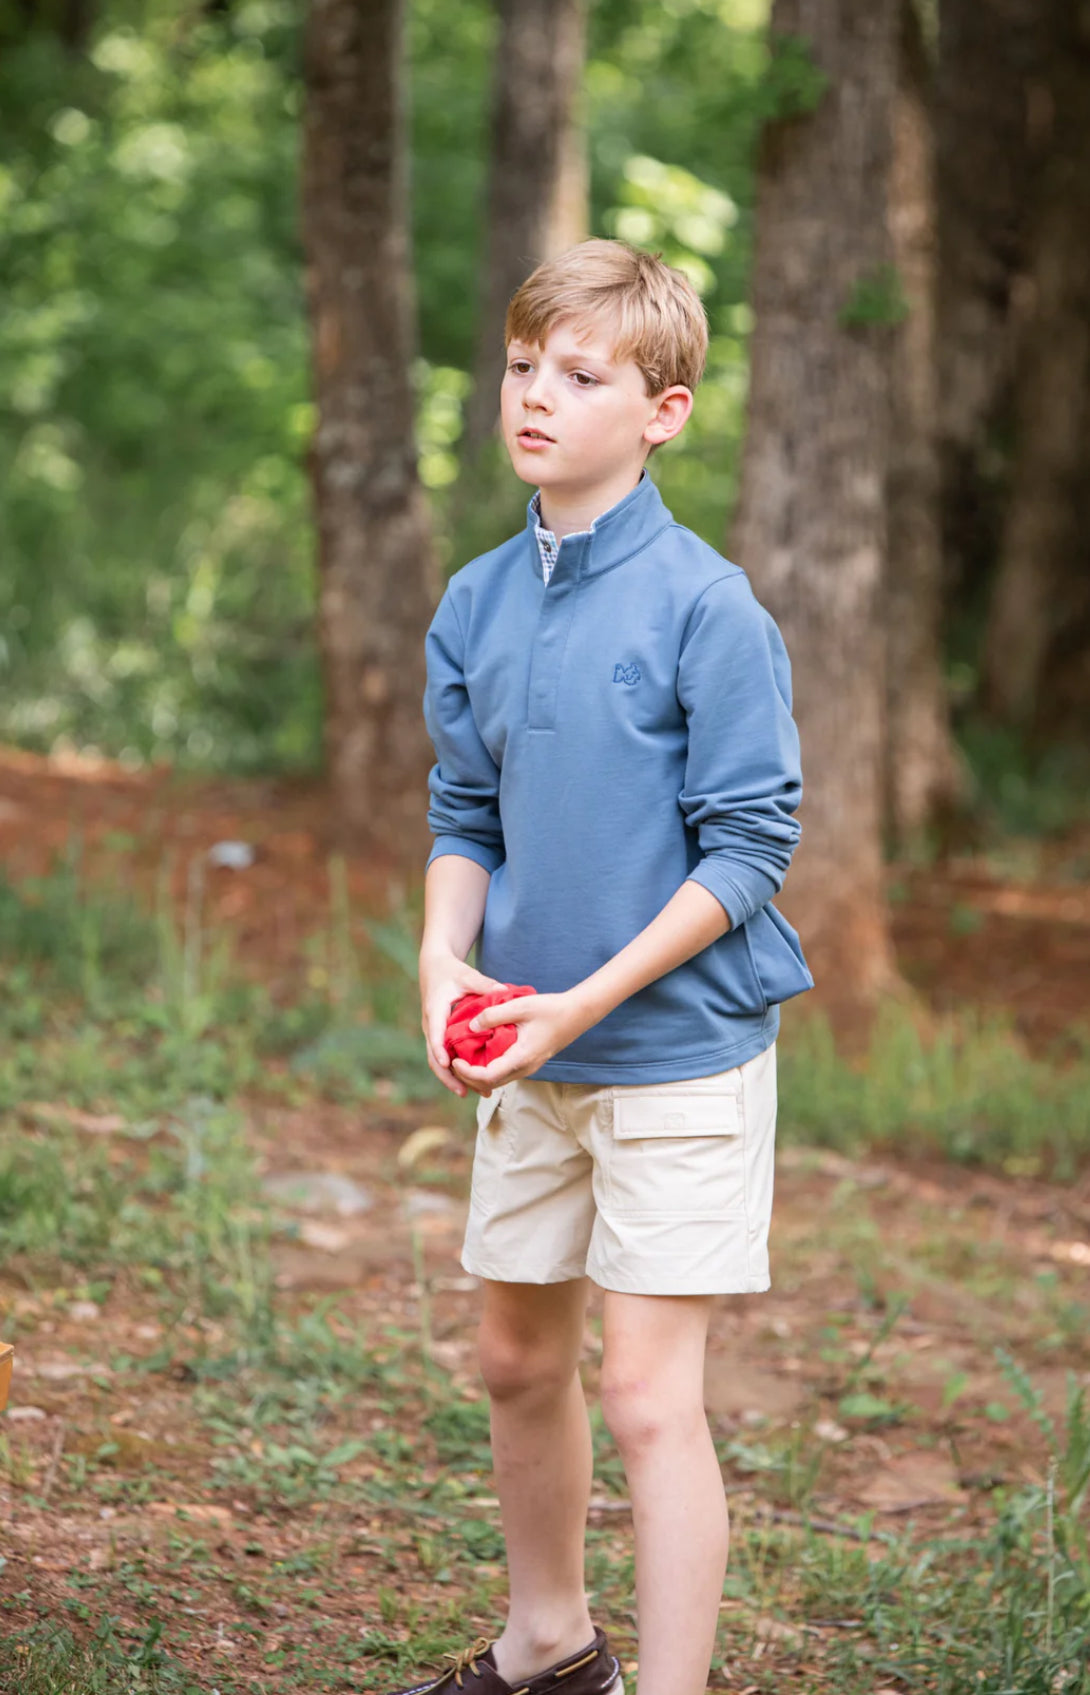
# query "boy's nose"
(537, 395)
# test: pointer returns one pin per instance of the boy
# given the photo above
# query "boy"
(613, 805)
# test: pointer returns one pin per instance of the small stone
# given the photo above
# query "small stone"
(827, 1430)
(329, 1238)
(84, 1309)
(57, 1371)
(418, 1202)
(231, 856)
(26, 1414)
(318, 1191)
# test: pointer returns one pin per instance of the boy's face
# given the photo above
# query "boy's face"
(574, 417)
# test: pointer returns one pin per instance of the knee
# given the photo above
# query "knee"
(521, 1365)
(640, 1414)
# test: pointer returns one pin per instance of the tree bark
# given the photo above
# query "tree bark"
(811, 524)
(1041, 606)
(537, 186)
(924, 777)
(378, 582)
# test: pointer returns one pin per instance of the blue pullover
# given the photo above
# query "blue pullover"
(599, 740)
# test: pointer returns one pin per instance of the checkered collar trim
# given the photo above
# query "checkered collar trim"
(547, 545)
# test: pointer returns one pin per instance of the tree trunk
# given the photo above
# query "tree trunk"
(1042, 587)
(988, 54)
(537, 188)
(71, 21)
(923, 772)
(811, 524)
(378, 582)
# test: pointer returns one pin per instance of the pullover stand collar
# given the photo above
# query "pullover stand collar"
(619, 533)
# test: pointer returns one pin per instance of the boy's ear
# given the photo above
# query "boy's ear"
(674, 406)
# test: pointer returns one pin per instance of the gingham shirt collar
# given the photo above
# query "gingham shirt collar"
(547, 544)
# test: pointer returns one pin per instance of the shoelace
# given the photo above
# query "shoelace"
(467, 1659)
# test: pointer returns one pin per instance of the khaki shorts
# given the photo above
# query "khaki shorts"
(648, 1188)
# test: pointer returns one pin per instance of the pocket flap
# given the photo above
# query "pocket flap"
(641, 1112)
(486, 1107)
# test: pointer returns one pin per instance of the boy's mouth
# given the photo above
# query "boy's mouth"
(528, 433)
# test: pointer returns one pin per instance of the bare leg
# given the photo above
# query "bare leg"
(653, 1402)
(530, 1340)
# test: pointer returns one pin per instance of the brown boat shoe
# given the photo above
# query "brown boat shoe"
(591, 1671)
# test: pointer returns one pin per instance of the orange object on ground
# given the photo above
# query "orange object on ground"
(480, 1047)
(7, 1355)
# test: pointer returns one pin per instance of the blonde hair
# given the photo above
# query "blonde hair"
(652, 309)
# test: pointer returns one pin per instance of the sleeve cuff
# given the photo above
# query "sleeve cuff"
(739, 895)
(488, 857)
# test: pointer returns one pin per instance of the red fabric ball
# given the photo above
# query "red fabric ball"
(480, 1047)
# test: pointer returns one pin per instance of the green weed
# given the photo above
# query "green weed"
(47, 1659)
(970, 1093)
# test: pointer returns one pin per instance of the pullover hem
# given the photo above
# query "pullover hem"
(759, 1038)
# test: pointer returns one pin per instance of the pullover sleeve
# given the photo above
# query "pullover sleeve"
(464, 809)
(743, 781)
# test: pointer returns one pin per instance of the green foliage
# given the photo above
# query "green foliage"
(48, 1660)
(878, 297)
(1069, 1471)
(90, 945)
(1027, 791)
(970, 1092)
(158, 593)
(793, 84)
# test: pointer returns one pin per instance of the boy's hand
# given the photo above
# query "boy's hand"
(443, 977)
(546, 1023)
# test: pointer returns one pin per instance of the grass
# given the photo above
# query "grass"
(1022, 792)
(968, 1092)
(1005, 1608)
(52, 1660)
(339, 1457)
(107, 1003)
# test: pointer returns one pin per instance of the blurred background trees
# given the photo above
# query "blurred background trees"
(376, 580)
(180, 414)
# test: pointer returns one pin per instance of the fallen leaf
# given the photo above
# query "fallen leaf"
(773, 1630)
(919, 1479)
(421, 1142)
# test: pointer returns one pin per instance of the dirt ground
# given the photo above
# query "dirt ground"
(891, 1280)
(978, 1263)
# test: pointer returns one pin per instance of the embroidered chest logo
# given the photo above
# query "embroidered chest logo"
(626, 673)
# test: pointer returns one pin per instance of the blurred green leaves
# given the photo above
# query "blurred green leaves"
(157, 598)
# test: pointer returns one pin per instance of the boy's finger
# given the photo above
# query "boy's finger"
(508, 1012)
(447, 1077)
(477, 1075)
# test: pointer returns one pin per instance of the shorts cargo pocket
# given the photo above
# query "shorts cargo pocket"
(677, 1155)
(486, 1107)
(490, 1152)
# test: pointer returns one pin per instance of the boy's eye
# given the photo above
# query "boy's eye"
(584, 379)
(519, 366)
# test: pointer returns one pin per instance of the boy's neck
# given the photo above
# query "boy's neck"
(568, 511)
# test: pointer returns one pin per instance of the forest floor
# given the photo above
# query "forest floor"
(292, 1491)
